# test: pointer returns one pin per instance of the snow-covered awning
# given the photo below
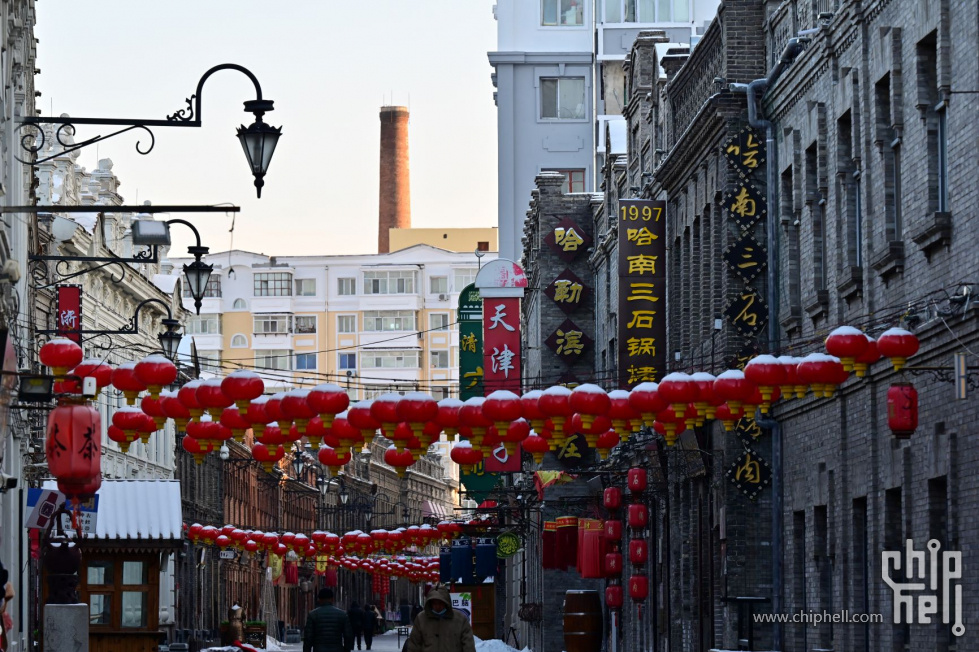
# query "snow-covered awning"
(131, 511)
(432, 510)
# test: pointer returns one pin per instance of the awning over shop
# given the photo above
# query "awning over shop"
(433, 510)
(137, 510)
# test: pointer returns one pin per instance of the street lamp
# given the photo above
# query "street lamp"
(170, 338)
(259, 140)
(153, 234)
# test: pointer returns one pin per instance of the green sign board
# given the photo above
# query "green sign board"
(507, 545)
(470, 343)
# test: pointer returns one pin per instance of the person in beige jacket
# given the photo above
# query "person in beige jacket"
(440, 628)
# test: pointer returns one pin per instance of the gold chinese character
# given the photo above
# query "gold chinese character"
(743, 204)
(568, 239)
(642, 292)
(749, 426)
(569, 448)
(749, 318)
(642, 237)
(566, 291)
(641, 374)
(570, 342)
(468, 342)
(641, 264)
(748, 157)
(751, 470)
(476, 376)
(748, 257)
(641, 346)
(641, 319)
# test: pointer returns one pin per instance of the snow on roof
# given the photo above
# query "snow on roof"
(137, 509)
(165, 282)
(618, 135)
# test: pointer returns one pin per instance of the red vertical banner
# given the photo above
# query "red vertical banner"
(501, 364)
(69, 315)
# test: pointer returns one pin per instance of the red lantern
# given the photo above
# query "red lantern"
(530, 409)
(415, 409)
(705, 402)
(131, 421)
(399, 461)
(898, 345)
(242, 386)
(384, 409)
(211, 398)
(124, 379)
(93, 368)
(678, 389)
(766, 372)
(638, 587)
(231, 418)
(471, 416)
(269, 456)
(637, 480)
(731, 386)
(154, 408)
(359, 416)
(256, 415)
(73, 450)
(515, 433)
(296, 409)
(174, 409)
(328, 400)
(555, 403)
(332, 458)
(155, 371)
(621, 413)
(271, 435)
(501, 407)
(536, 446)
(187, 395)
(792, 385)
(273, 408)
(846, 343)
(726, 415)
(222, 541)
(466, 456)
(612, 498)
(590, 401)
(199, 449)
(638, 552)
(613, 530)
(869, 356)
(606, 442)
(902, 410)
(448, 415)
(61, 354)
(645, 399)
(638, 516)
(613, 596)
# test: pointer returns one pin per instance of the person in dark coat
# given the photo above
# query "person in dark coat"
(370, 624)
(327, 628)
(356, 616)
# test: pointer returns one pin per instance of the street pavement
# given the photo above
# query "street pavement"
(384, 643)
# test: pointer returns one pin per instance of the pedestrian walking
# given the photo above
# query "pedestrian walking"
(371, 624)
(356, 616)
(440, 628)
(327, 628)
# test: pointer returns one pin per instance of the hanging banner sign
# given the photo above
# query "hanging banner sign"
(69, 315)
(470, 343)
(642, 291)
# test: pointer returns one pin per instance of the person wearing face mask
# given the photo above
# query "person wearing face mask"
(439, 627)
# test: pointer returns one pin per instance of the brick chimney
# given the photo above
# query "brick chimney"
(394, 205)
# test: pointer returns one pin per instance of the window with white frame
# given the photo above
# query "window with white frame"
(280, 359)
(574, 180)
(646, 11)
(346, 287)
(211, 291)
(389, 282)
(347, 361)
(305, 361)
(438, 321)
(389, 359)
(272, 324)
(273, 284)
(389, 320)
(239, 304)
(463, 277)
(562, 13)
(562, 98)
(438, 284)
(347, 324)
(306, 324)
(305, 287)
(203, 325)
(239, 341)
(440, 359)
(210, 361)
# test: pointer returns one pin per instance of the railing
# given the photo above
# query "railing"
(694, 82)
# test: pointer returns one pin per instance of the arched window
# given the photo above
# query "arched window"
(239, 341)
(239, 304)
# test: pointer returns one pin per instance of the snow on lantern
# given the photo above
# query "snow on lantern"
(296, 408)
(328, 400)
(732, 387)
(359, 416)
(678, 389)
(124, 379)
(621, 413)
(61, 354)
(187, 395)
(94, 368)
(502, 407)
(384, 410)
(869, 356)
(555, 403)
(706, 401)
(767, 373)
(846, 343)
(537, 446)
(210, 397)
(645, 399)
(590, 401)
(400, 461)
(415, 409)
(242, 386)
(898, 345)
(792, 385)
(155, 371)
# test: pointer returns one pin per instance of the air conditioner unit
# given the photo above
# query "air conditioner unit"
(443, 297)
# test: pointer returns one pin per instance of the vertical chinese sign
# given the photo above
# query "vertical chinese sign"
(69, 315)
(470, 343)
(642, 291)
(501, 284)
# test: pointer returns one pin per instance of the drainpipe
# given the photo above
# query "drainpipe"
(755, 91)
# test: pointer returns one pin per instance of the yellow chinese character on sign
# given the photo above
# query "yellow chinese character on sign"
(642, 374)
(474, 377)
(642, 292)
(641, 346)
(750, 318)
(743, 204)
(641, 319)
(749, 426)
(569, 448)
(468, 342)
(568, 343)
(566, 291)
(750, 262)
(568, 239)
(642, 237)
(641, 264)
(750, 469)
(751, 150)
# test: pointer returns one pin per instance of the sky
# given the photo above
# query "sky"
(328, 65)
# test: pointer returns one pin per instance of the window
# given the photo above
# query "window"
(389, 282)
(562, 98)
(305, 287)
(439, 284)
(239, 341)
(210, 361)
(463, 277)
(440, 359)
(273, 359)
(348, 361)
(203, 325)
(305, 362)
(306, 324)
(438, 321)
(346, 286)
(118, 593)
(239, 304)
(273, 284)
(646, 11)
(482, 245)
(389, 320)
(212, 291)
(561, 13)
(942, 110)
(574, 180)
(135, 594)
(391, 359)
(272, 324)
(347, 323)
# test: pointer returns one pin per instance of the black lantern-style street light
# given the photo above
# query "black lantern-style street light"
(170, 338)
(259, 141)
(198, 273)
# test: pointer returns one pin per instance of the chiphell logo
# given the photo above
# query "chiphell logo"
(917, 601)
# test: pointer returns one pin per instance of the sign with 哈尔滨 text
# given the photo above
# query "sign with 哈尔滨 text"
(642, 291)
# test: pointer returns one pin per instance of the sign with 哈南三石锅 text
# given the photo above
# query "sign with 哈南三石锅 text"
(746, 258)
(747, 313)
(746, 205)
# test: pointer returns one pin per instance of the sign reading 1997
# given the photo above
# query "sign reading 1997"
(641, 211)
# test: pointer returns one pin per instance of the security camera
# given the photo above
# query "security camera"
(7, 482)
